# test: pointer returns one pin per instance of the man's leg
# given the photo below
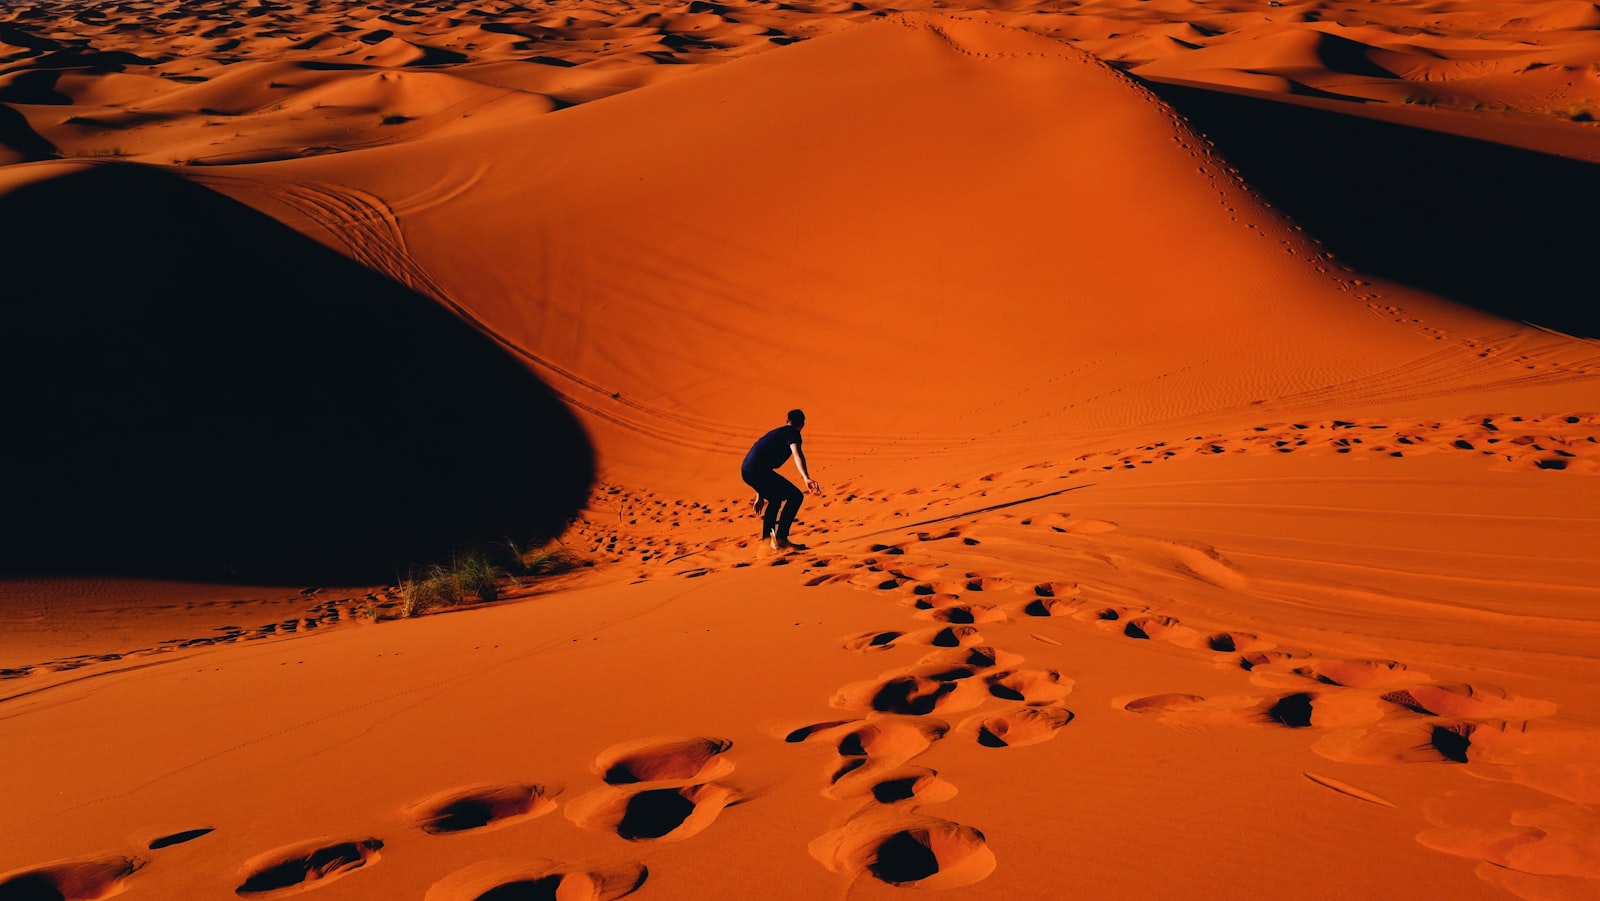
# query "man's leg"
(762, 480)
(789, 497)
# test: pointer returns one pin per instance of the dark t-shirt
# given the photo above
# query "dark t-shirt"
(772, 449)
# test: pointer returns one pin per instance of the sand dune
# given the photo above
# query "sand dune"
(1193, 493)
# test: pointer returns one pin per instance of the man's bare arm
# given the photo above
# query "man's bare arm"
(800, 463)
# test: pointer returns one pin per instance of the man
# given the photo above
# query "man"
(780, 498)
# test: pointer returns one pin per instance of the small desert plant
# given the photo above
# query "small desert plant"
(430, 588)
(395, 120)
(469, 574)
(102, 152)
(549, 560)
(479, 573)
(1420, 99)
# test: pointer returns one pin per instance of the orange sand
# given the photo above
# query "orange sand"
(1164, 551)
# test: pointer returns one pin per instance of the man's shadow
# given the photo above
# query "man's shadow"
(197, 391)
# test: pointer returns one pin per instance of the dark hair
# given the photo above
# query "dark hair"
(797, 417)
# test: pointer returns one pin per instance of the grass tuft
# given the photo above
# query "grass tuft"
(478, 574)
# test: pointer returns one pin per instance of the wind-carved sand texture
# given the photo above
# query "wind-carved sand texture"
(1204, 401)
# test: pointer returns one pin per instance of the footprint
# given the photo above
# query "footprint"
(1032, 685)
(1163, 703)
(1047, 606)
(299, 865)
(1462, 700)
(876, 753)
(909, 694)
(73, 880)
(932, 600)
(1020, 727)
(1355, 673)
(654, 814)
(917, 784)
(1109, 614)
(872, 641)
(1258, 660)
(1146, 627)
(806, 732)
(665, 760)
(1432, 742)
(1293, 710)
(954, 637)
(963, 614)
(976, 582)
(920, 852)
(480, 807)
(976, 656)
(506, 880)
(892, 739)
(1234, 642)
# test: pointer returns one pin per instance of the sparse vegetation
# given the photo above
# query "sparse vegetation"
(1420, 99)
(478, 574)
(100, 152)
(396, 120)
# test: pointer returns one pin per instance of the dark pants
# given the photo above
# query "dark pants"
(782, 497)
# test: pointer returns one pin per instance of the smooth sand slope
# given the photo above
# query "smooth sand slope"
(1163, 552)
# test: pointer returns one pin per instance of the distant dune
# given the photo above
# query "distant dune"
(1203, 399)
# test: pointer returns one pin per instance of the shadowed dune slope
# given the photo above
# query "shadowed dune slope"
(200, 390)
(1399, 203)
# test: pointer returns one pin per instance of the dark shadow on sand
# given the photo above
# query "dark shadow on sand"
(196, 391)
(1501, 229)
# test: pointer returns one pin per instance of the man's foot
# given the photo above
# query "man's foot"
(784, 544)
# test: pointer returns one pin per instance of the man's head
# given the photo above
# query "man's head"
(797, 418)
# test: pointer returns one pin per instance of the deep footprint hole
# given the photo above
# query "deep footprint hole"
(910, 696)
(473, 813)
(541, 889)
(70, 882)
(653, 814)
(31, 887)
(1293, 711)
(990, 740)
(903, 858)
(319, 864)
(1451, 742)
(895, 790)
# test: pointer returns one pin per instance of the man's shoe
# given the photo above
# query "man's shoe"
(783, 544)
